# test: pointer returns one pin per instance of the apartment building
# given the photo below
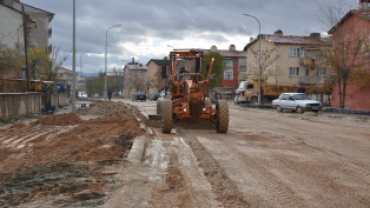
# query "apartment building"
(288, 59)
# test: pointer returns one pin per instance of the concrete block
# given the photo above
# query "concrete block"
(137, 150)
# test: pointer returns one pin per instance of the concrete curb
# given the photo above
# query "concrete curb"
(137, 150)
(256, 106)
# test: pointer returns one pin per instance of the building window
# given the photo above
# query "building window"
(293, 71)
(308, 72)
(294, 52)
(228, 74)
(242, 69)
(322, 72)
(228, 62)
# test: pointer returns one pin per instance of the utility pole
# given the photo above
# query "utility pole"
(106, 54)
(259, 59)
(25, 48)
(74, 60)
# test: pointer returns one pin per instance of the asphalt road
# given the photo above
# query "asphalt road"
(286, 159)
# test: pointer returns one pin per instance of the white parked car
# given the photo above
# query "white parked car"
(298, 102)
(164, 94)
(82, 95)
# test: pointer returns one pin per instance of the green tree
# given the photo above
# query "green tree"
(44, 66)
(217, 69)
(10, 63)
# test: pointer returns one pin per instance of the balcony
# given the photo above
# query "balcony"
(50, 32)
(308, 79)
(309, 56)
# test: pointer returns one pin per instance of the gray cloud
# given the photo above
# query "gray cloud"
(171, 20)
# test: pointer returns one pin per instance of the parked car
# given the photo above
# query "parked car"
(298, 102)
(139, 96)
(82, 95)
(155, 96)
(164, 94)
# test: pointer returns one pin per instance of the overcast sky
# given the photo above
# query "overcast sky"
(148, 26)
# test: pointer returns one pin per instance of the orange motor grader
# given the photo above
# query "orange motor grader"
(187, 94)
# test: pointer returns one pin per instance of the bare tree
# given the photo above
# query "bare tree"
(156, 81)
(118, 82)
(349, 56)
(269, 56)
(135, 80)
(329, 15)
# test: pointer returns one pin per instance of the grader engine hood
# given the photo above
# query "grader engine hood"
(195, 97)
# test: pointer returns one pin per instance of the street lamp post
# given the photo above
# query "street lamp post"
(259, 58)
(106, 50)
(81, 61)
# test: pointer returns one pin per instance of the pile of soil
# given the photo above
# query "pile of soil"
(45, 159)
(93, 140)
(59, 120)
(108, 108)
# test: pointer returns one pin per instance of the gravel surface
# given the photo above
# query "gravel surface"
(291, 160)
(267, 159)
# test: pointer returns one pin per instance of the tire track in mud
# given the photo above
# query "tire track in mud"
(223, 187)
(269, 182)
(311, 179)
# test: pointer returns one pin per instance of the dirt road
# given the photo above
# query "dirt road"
(286, 160)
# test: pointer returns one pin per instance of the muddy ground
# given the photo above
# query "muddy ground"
(61, 160)
(267, 159)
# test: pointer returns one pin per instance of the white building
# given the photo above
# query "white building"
(11, 28)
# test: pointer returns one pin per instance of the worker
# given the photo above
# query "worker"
(183, 71)
(301, 89)
(109, 94)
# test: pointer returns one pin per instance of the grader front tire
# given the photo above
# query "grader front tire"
(166, 123)
(223, 116)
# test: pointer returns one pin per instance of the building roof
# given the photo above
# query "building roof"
(292, 40)
(16, 10)
(224, 53)
(32, 9)
(160, 62)
(228, 53)
(17, 6)
(362, 14)
(63, 70)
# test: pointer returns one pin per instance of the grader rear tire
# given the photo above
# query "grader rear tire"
(166, 122)
(223, 116)
(207, 102)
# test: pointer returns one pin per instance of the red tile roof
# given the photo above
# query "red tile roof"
(364, 14)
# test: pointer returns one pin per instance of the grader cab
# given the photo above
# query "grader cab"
(187, 90)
